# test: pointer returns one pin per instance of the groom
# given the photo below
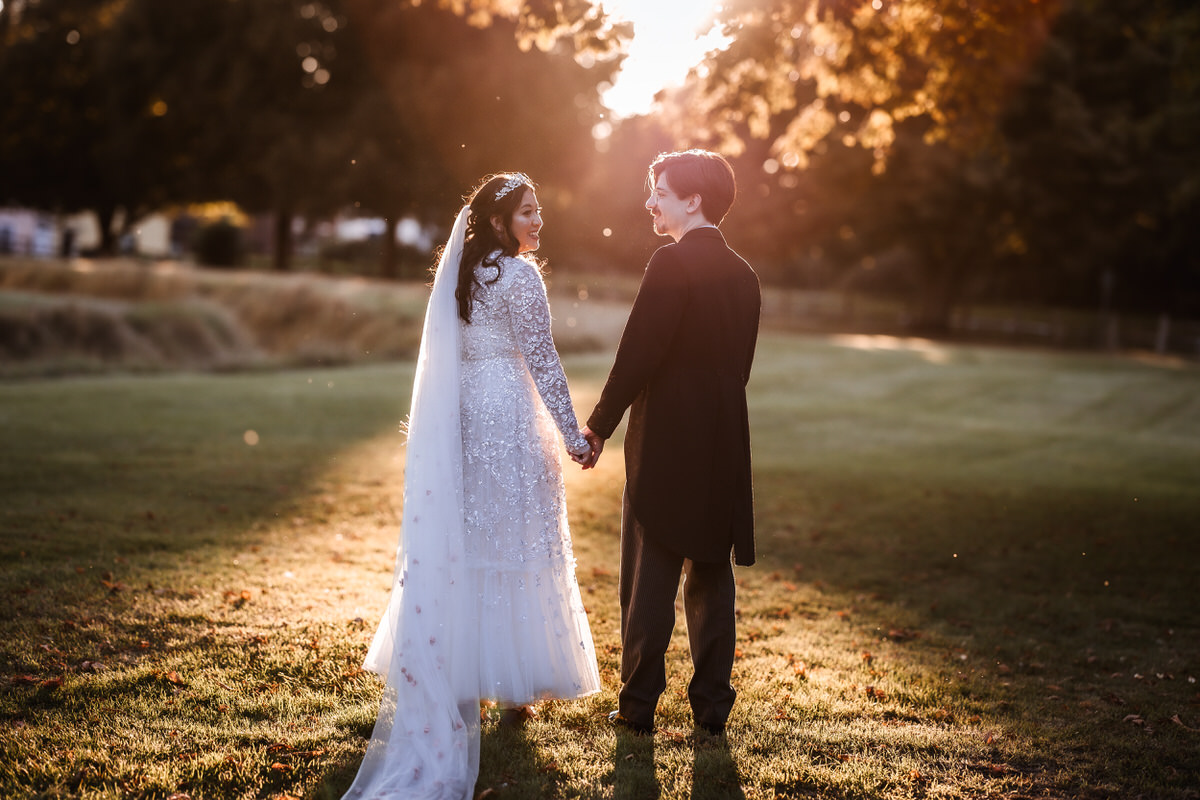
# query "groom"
(682, 364)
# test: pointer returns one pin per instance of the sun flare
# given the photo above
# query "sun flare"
(669, 38)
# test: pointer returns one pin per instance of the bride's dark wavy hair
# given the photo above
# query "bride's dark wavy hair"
(481, 239)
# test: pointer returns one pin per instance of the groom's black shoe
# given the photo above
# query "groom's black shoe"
(711, 730)
(621, 722)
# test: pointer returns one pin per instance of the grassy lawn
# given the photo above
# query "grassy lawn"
(977, 578)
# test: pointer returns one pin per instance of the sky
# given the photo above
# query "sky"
(664, 47)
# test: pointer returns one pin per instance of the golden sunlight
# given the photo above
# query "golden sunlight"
(669, 38)
(931, 351)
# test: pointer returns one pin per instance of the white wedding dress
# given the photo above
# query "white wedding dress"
(534, 637)
(485, 603)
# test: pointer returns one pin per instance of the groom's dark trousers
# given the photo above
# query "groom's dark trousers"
(648, 583)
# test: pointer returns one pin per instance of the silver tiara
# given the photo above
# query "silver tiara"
(510, 184)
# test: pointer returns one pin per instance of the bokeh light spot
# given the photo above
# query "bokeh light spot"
(250, 438)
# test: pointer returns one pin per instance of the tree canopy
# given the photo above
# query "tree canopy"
(1038, 151)
(292, 107)
(985, 148)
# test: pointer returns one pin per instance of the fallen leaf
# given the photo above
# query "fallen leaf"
(173, 677)
(279, 766)
(24, 680)
(903, 634)
(51, 683)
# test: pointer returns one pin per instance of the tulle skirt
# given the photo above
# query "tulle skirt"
(534, 638)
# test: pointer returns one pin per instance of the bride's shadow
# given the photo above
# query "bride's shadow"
(507, 758)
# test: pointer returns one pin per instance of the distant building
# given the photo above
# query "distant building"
(27, 232)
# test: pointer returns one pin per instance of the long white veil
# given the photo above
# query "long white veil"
(426, 740)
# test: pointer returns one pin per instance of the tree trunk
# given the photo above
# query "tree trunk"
(388, 268)
(938, 295)
(108, 237)
(283, 240)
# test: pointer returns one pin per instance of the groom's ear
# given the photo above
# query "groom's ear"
(693, 204)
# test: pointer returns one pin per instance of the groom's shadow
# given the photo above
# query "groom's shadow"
(714, 772)
(634, 774)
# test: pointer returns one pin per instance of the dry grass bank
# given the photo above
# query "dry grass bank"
(79, 316)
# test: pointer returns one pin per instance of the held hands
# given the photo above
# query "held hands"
(588, 460)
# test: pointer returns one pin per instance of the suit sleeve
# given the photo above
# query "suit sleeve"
(647, 338)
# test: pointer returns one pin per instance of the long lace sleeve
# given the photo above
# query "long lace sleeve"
(530, 313)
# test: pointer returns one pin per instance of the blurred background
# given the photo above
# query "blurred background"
(1019, 170)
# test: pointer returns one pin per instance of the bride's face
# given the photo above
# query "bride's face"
(527, 222)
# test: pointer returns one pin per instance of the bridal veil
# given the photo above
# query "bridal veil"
(425, 745)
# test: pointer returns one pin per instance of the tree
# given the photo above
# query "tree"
(55, 125)
(1022, 147)
(254, 96)
(294, 107)
(449, 99)
(1104, 145)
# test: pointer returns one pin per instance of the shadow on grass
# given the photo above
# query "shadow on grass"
(634, 773)
(714, 771)
(510, 765)
(108, 469)
(1053, 626)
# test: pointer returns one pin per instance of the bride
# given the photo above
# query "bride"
(484, 602)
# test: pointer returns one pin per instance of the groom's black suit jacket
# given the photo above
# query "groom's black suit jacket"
(682, 364)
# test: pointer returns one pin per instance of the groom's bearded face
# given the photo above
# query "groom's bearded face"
(668, 209)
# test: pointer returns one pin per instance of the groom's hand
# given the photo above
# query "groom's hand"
(597, 444)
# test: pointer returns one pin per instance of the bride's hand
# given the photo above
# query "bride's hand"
(582, 458)
(597, 447)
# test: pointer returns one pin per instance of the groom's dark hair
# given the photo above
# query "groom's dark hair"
(699, 172)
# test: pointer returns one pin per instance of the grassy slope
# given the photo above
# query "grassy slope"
(188, 611)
